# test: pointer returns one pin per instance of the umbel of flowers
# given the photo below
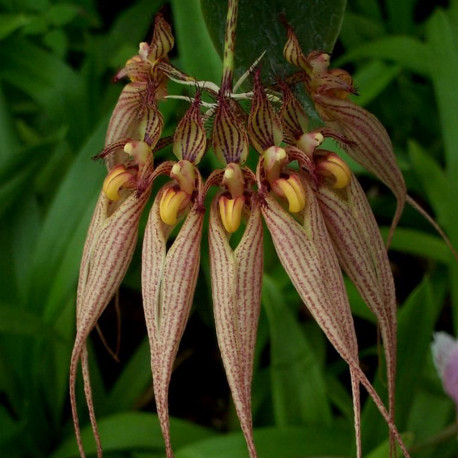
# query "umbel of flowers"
(312, 204)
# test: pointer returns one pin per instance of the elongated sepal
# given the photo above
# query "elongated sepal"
(168, 283)
(307, 254)
(361, 253)
(264, 125)
(229, 137)
(371, 145)
(236, 290)
(190, 138)
(107, 253)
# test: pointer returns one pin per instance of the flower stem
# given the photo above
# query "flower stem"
(229, 46)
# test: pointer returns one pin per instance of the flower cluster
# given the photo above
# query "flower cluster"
(312, 204)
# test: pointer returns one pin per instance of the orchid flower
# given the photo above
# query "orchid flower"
(312, 204)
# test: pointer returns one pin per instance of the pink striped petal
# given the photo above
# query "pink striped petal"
(307, 254)
(372, 146)
(107, 253)
(168, 282)
(236, 290)
(361, 253)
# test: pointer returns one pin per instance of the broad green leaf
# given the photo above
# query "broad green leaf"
(316, 22)
(9, 23)
(372, 79)
(383, 450)
(10, 427)
(403, 50)
(132, 383)
(443, 63)
(197, 54)
(57, 88)
(288, 442)
(66, 222)
(340, 397)
(358, 29)
(61, 14)
(130, 28)
(441, 413)
(16, 320)
(443, 66)
(415, 326)
(431, 176)
(129, 431)
(401, 15)
(418, 243)
(298, 386)
(10, 142)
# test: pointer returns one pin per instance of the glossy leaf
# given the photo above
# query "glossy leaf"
(273, 442)
(127, 431)
(317, 24)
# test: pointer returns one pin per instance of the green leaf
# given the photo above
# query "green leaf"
(61, 14)
(443, 65)
(197, 54)
(59, 245)
(15, 320)
(405, 51)
(273, 443)
(415, 326)
(298, 386)
(383, 450)
(418, 243)
(133, 381)
(372, 79)
(9, 23)
(57, 88)
(431, 176)
(128, 431)
(316, 22)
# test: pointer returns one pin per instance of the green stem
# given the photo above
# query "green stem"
(229, 46)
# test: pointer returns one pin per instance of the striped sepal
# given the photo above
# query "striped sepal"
(264, 125)
(162, 41)
(229, 137)
(190, 138)
(372, 146)
(107, 253)
(168, 283)
(236, 290)
(308, 257)
(361, 253)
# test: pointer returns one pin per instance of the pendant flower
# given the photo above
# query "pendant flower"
(312, 204)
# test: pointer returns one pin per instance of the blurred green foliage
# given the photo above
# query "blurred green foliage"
(57, 58)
